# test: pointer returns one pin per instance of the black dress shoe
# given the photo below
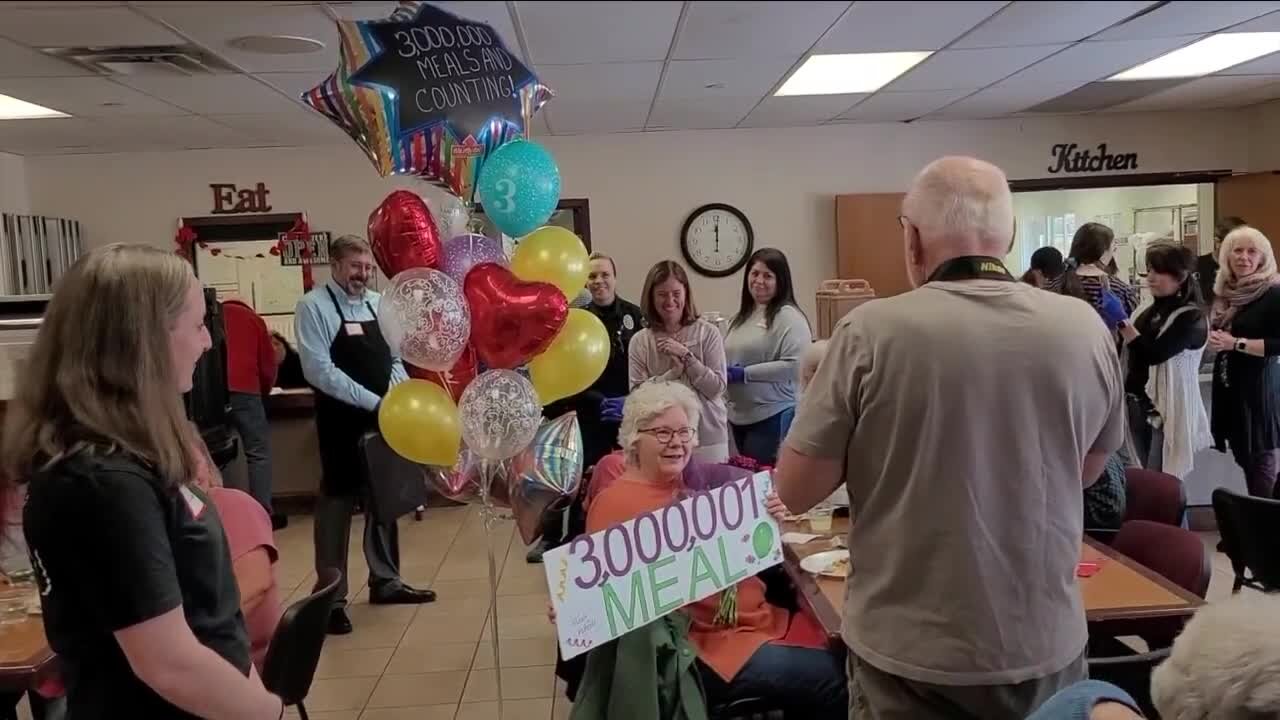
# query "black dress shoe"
(401, 595)
(339, 623)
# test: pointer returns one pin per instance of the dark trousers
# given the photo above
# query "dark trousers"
(333, 533)
(249, 418)
(1260, 469)
(760, 440)
(806, 682)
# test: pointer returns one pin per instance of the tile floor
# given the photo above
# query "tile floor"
(435, 662)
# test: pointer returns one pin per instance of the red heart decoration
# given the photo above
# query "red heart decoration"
(456, 379)
(403, 234)
(511, 320)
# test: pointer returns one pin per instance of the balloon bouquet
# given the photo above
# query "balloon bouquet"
(488, 340)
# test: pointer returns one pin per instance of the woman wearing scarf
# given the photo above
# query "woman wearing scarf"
(1244, 323)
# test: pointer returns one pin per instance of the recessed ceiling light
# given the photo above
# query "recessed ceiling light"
(849, 73)
(1214, 53)
(276, 44)
(11, 108)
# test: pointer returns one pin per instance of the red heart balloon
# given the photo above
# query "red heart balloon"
(403, 234)
(456, 379)
(511, 320)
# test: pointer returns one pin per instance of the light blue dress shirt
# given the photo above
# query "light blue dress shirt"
(316, 324)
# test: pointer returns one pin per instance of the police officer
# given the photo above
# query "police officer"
(350, 366)
(599, 407)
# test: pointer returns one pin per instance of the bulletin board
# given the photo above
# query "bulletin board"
(247, 270)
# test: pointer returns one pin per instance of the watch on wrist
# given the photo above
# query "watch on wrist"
(1241, 345)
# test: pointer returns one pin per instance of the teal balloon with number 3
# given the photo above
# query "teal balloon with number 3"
(519, 187)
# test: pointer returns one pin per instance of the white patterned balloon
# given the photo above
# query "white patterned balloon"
(425, 318)
(500, 414)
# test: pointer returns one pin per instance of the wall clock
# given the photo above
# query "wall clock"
(716, 240)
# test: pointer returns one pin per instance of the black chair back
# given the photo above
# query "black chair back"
(1248, 527)
(1131, 673)
(295, 648)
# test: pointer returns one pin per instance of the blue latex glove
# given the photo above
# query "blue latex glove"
(1112, 310)
(737, 374)
(611, 409)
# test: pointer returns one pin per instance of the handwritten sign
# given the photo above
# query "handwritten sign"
(444, 69)
(1067, 158)
(606, 584)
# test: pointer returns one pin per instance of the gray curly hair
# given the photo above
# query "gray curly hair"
(647, 402)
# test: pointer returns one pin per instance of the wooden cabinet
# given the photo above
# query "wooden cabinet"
(869, 241)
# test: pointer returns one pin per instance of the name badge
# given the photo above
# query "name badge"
(355, 329)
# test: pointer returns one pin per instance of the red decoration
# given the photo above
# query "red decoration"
(403, 234)
(183, 241)
(511, 320)
(454, 380)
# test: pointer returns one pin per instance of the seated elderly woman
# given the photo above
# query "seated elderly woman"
(761, 650)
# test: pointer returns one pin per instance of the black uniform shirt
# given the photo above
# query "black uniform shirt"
(111, 547)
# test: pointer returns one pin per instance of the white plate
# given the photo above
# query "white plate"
(820, 563)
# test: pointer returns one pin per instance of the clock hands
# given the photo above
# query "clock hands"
(717, 229)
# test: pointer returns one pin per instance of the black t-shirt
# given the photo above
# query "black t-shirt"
(113, 547)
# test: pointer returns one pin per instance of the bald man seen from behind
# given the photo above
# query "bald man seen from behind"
(963, 417)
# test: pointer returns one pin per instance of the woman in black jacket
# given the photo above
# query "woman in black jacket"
(1245, 322)
(1165, 343)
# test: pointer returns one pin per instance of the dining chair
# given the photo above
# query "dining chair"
(1248, 528)
(1131, 673)
(1176, 554)
(1155, 496)
(294, 653)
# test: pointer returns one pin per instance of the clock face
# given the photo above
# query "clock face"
(717, 240)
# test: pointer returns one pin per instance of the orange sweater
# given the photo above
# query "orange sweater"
(724, 650)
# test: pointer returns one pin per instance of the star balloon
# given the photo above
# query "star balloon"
(428, 93)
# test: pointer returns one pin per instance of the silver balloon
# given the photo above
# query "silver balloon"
(548, 473)
(425, 318)
(452, 216)
(500, 414)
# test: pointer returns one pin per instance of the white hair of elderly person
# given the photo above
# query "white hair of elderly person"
(1226, 663)
(810, 359)
(646, 403)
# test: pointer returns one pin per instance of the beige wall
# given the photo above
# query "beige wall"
(13, 184)
(642, 185)
(1264, 147)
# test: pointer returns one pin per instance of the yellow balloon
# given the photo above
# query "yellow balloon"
(419, 420)
(554, 255)
(574, 359)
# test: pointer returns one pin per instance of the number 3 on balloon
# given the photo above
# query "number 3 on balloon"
(506, 200)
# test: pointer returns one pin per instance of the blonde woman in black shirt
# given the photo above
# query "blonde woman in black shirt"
(134, 572)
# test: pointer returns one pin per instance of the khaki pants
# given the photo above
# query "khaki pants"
(877, 695)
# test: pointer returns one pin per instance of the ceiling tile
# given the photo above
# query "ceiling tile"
(299, 127)
(753, 77)
(1199, 94)
(699, 114)
(68, 26)
(1086, 62)
(569, 33)
(117, 134)
(1004, 98)
(715, 30)
(294, 84)
(1265, 65)
(18, 61)
(208, 94)
(213, 26)
(1266, 23)
(972, 69)
(799, 111)
(885, 27)
(1042, 23)
(602, 81)
(896, 106)
(576, 116)
(1101, 95)
(1183, 17)
(86, 96)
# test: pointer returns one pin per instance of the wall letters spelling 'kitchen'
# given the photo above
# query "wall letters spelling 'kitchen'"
(1067, 158)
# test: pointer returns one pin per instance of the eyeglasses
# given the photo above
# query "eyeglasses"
(665, 435)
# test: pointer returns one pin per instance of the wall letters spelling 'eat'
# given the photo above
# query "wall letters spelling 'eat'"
(227, 200)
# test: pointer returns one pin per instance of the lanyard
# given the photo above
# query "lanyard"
(971, 267)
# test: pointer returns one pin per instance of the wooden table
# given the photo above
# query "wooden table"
(1121, 590)
(24, 653)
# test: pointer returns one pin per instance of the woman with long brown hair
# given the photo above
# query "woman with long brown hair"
(680, 347)
(1088, 275)
(132, 563)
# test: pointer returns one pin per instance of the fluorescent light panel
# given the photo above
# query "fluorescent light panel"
(1214, 53)
(849, 73)
(11, 108)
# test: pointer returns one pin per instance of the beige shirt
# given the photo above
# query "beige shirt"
(963, 412)
(703, 372)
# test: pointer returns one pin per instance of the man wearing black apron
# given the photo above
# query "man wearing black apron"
(350, 366)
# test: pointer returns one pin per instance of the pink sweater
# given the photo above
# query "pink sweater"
(704, 373)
